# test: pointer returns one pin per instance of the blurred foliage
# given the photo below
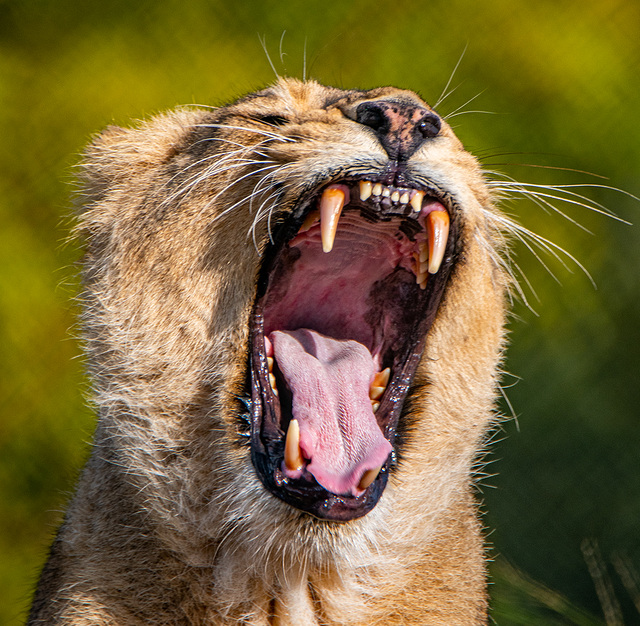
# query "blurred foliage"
(562, 79)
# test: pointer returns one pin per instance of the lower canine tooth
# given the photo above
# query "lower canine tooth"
(366, 187)
(331, 205)
(293, 459)
(368, 477)
(438, 233)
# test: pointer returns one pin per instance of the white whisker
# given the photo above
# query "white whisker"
(444, 95)
(235, 182)
(281, 51)
(263, 43)
(531, 239)
(257, 131)
(585, 202)
(456, 111)
(215, 169)
(454, 114)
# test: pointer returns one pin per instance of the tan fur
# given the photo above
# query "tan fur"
(170, 524)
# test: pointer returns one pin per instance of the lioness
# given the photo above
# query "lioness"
(294, 311)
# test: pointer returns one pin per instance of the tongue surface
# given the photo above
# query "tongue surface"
(329, 381)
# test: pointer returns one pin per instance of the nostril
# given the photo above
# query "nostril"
(373, 115)
(430, 125)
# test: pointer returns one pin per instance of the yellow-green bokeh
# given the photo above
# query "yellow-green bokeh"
(561, 81)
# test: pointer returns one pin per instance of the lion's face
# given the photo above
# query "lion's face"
(321, 256)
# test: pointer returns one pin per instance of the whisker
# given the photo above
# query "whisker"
(530, 239)
(454, 114)
(280, 50)
(444, 95)
(587, 203)
(263, 43)
(260, 214)
(455, 111)
(206, 174)
(258, 131)
(235, 182)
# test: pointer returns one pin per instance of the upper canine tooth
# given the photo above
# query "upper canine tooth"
(377, 189)
(366, 187)
(438, 232)
(293, 458)
(416, 200)
(331, 205)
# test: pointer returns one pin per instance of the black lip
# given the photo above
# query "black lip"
(267, 437)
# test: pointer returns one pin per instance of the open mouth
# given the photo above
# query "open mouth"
(348, 290)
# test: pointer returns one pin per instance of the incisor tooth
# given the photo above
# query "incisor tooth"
(331, 205)
(386, 192)
(395, 196)
(416, 201)
(404, 198)
(377, 189)
(437, 232)
(366, 187)
(293, 459)
(368, 477)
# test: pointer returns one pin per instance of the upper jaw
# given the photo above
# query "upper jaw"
(416, 217)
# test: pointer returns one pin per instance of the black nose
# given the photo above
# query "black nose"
(401, 127)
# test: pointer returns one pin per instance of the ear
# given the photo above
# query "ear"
(118, 155)
(119, 163)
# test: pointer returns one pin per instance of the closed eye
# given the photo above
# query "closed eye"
(272, 120)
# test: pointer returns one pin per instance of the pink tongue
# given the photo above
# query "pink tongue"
(329, 380)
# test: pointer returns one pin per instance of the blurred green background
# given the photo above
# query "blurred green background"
(561, 79)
